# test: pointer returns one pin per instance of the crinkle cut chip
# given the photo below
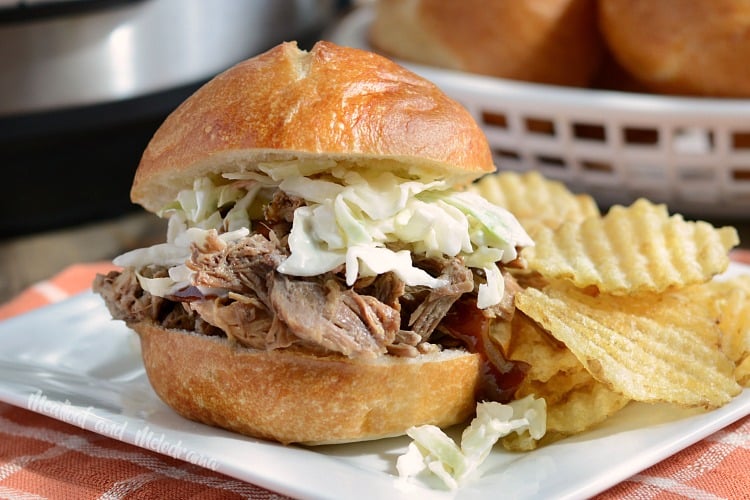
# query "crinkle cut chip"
(635, 249)
(634, 354)
(535, 200)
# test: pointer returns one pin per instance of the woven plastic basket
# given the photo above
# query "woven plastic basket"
(691, 153)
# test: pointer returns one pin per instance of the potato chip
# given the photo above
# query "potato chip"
(534, 200)
(734, 324)
(501, 334)
(739, 282)
(619, 307)
(724, 303)
(631, 250)
(694, 308)
(585, 404)
(520, 442)
(742, 372)
(526, 278)
(556, 389)
(575, 400)
(545, 355)
(583, 407)
(634, 354)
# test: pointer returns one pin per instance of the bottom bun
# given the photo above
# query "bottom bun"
(293, 397)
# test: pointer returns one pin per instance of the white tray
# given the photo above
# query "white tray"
(691, 153)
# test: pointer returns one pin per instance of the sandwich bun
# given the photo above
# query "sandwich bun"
(294, 397)
(700, 47)
(331, 103)
(543, 41)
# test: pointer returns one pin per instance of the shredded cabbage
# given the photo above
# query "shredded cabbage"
(434, 452)
(352, 218)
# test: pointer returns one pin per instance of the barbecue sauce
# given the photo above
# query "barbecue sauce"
(501, 377)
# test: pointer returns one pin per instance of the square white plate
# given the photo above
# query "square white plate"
(72, 362)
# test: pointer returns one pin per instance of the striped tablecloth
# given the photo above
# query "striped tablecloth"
(41, 457)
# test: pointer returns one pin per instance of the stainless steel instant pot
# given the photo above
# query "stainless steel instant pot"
(84, 84)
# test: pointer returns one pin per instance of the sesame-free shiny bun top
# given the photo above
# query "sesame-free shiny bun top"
(331, 103)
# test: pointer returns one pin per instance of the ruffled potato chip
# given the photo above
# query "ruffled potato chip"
(545, 355)
(535, 200)
(734, 324)
(742, 372)
(619, 307)
(636, 353)
(575, 400)
(635, 249)
(583, 407)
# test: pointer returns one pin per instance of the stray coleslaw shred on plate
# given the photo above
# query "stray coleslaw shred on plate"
(434, 452)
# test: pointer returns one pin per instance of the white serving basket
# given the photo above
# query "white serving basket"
(691, 153)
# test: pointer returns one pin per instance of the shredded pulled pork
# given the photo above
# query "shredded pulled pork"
(438, 302)
(323, 312)
(242, 266)
(127, 301)
(264, 309)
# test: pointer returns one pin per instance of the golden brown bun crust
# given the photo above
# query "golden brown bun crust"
(301, 398)
(332, 102)
(696, 47)
(544, 41)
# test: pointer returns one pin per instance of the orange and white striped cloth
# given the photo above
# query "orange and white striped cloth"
(41, 457)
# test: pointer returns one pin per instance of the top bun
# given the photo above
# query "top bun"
(332, 102)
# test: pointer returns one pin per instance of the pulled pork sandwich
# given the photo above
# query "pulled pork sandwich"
(322, 280)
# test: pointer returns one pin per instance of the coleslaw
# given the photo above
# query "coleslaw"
(370, 221)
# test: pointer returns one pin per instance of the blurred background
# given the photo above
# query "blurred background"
(83, 86)
(615, 98)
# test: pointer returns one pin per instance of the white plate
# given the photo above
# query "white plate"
(72, 362)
